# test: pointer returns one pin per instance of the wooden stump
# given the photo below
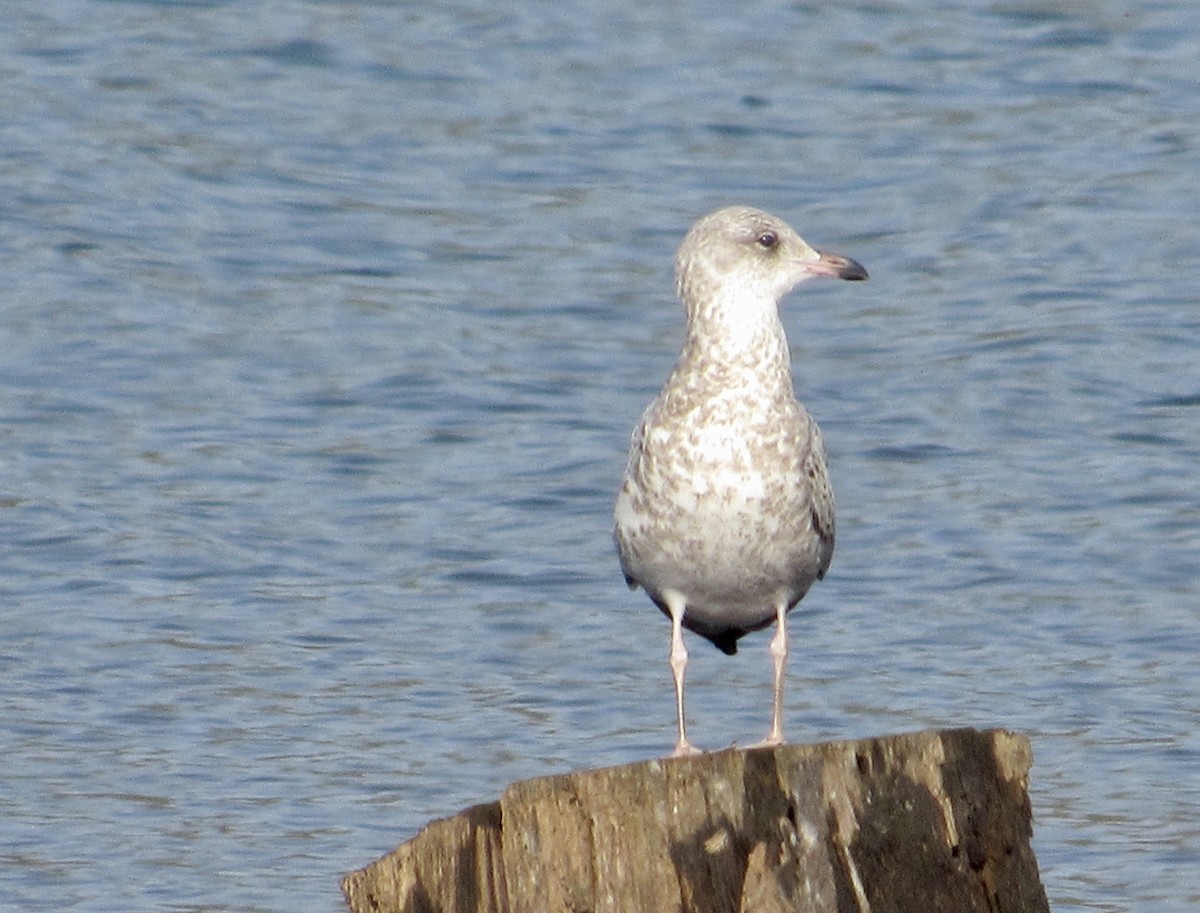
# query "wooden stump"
(920, 823)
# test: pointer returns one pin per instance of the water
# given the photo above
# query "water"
(324, 329)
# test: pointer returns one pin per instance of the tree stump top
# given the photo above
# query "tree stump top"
(922, 823)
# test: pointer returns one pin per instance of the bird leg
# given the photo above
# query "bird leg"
(779, 653)
(679, 657)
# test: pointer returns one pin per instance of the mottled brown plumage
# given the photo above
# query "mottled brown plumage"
(725, 516)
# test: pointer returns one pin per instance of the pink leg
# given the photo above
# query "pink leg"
(679, 657)
(779, 653)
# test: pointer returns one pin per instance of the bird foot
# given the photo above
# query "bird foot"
(774, 740)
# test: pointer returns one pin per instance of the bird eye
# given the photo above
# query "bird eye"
(767, 240)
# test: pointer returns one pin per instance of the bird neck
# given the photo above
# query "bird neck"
(740, 336)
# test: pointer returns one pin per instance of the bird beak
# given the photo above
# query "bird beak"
(836, 266)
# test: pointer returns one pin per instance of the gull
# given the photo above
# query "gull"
(725, 514)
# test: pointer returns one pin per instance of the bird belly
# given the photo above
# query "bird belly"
(735, 547)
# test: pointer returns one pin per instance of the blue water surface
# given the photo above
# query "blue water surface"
(325, 325)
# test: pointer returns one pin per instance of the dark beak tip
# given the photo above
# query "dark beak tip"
(853, 271)
(842, 267)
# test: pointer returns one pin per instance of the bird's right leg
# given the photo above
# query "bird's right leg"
(676, 604)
